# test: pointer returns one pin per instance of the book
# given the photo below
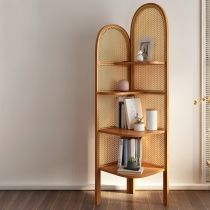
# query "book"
(119, 101)
(120, 154)
(129, 148)
(123, 116)
(141, 152)
(120, 112)
(125, 152)
(127, 171)
(132, 108)
(132, 148)
(137, 151)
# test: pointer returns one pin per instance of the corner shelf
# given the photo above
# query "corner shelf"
(129, 133)
(115, 56)
(149, 169)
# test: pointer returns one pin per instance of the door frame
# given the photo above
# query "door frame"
(203, 89)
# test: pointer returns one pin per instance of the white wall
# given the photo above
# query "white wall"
(47, 90)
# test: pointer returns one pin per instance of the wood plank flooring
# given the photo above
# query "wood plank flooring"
(111, 200)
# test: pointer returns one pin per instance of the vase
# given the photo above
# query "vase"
(151, 115)
(123, 85)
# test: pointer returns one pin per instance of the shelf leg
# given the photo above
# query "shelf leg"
(130, 186)
(98, 187)
(165, 188)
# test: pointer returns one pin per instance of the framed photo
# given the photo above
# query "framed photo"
(146, 45)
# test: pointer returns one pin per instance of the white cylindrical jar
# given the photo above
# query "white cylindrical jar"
(151, 115)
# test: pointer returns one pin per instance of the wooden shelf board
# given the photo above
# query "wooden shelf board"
(135, 92)
(149, 170)
(129, 133)
(128, 63)
(139, 63)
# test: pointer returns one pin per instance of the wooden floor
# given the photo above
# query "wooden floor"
(75, 200)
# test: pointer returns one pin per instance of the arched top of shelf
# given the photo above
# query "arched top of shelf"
(112, 43)
(147, 6)
(149, 23)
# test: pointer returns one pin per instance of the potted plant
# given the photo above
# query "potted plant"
(132, 165)
(139, 124)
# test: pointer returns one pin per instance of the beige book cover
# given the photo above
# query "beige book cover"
(132, 108)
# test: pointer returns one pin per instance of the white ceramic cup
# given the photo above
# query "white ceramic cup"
(151, 115)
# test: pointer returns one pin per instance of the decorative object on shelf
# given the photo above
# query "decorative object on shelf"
(132, 107)
(146, 47)
(132, 165)
(140, 56)
(139, 124)
(124, 85)
(151, 119)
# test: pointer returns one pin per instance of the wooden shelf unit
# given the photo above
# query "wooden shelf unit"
(116, 60)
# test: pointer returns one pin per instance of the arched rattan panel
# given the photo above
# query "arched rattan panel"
(149, 23)
(112, 45)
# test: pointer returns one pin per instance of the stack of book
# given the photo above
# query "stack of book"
(127, 110)
(130, 148)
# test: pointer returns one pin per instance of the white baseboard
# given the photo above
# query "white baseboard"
(105, 187)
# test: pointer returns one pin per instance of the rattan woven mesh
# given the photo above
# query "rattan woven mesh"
(108, 148)
(149, 77)
(113, 45)
(153, 150)
(149, 22)
(108, 143)
(106, 110)
(109, 76)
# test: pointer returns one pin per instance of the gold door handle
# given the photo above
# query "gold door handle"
(206, 98)
(202, 99)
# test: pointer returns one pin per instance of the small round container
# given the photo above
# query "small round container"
(151, 115)
(139, 127)
(123, 85)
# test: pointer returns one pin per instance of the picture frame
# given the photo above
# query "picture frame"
(146, 45)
